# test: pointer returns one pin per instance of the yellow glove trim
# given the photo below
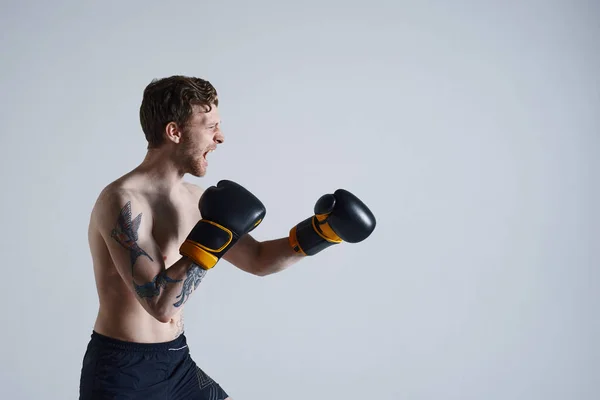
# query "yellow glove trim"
(293, 240)
(198, 254)
(324, 230)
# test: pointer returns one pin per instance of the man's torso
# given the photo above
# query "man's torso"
(172, 216)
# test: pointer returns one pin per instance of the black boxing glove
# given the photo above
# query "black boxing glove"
(228, 212)
(339, 217)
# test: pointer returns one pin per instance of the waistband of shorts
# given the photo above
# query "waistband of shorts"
(98, 339)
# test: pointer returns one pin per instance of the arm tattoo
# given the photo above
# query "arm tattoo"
(152, 288)
(193, 278)
(126, 234)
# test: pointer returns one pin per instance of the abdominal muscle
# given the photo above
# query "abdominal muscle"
(122, 317)
(136, 326)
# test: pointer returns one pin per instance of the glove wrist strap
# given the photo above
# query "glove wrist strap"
(307, 238)
(198, 255)
(207, 243)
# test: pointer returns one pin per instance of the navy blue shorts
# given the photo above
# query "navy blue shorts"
(114, 369)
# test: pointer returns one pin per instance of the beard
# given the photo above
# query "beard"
(191, 160)
(195, 165)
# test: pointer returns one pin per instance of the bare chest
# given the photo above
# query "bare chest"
(172, 222)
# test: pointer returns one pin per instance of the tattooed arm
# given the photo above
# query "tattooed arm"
(125, 223)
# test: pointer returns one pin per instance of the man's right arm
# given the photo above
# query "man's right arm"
(127, 232)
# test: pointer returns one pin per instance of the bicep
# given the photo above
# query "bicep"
(127, 232)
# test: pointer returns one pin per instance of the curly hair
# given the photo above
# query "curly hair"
(172, 99)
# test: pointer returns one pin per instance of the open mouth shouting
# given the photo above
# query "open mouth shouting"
(205, 154)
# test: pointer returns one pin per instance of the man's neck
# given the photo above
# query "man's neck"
(161, 170)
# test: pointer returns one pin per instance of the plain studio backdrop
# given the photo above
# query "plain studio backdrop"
(471, 129)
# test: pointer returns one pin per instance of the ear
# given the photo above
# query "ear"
(173, 133)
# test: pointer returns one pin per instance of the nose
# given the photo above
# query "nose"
(219, 138)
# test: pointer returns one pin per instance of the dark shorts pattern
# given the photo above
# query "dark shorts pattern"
(118, 370)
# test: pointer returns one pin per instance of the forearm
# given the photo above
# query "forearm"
(171, 288)
(275, 256)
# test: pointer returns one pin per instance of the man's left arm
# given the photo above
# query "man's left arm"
(339, 217)
(262, 257)
(257, 257)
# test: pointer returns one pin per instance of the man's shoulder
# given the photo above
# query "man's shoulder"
(116, 197)
(194, 189)
(124, 195)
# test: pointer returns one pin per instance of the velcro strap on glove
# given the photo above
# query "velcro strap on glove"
(206, 243)
(308, 237)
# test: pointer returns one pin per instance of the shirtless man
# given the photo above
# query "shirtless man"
(153, 237)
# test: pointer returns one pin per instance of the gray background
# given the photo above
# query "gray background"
(470, 128)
